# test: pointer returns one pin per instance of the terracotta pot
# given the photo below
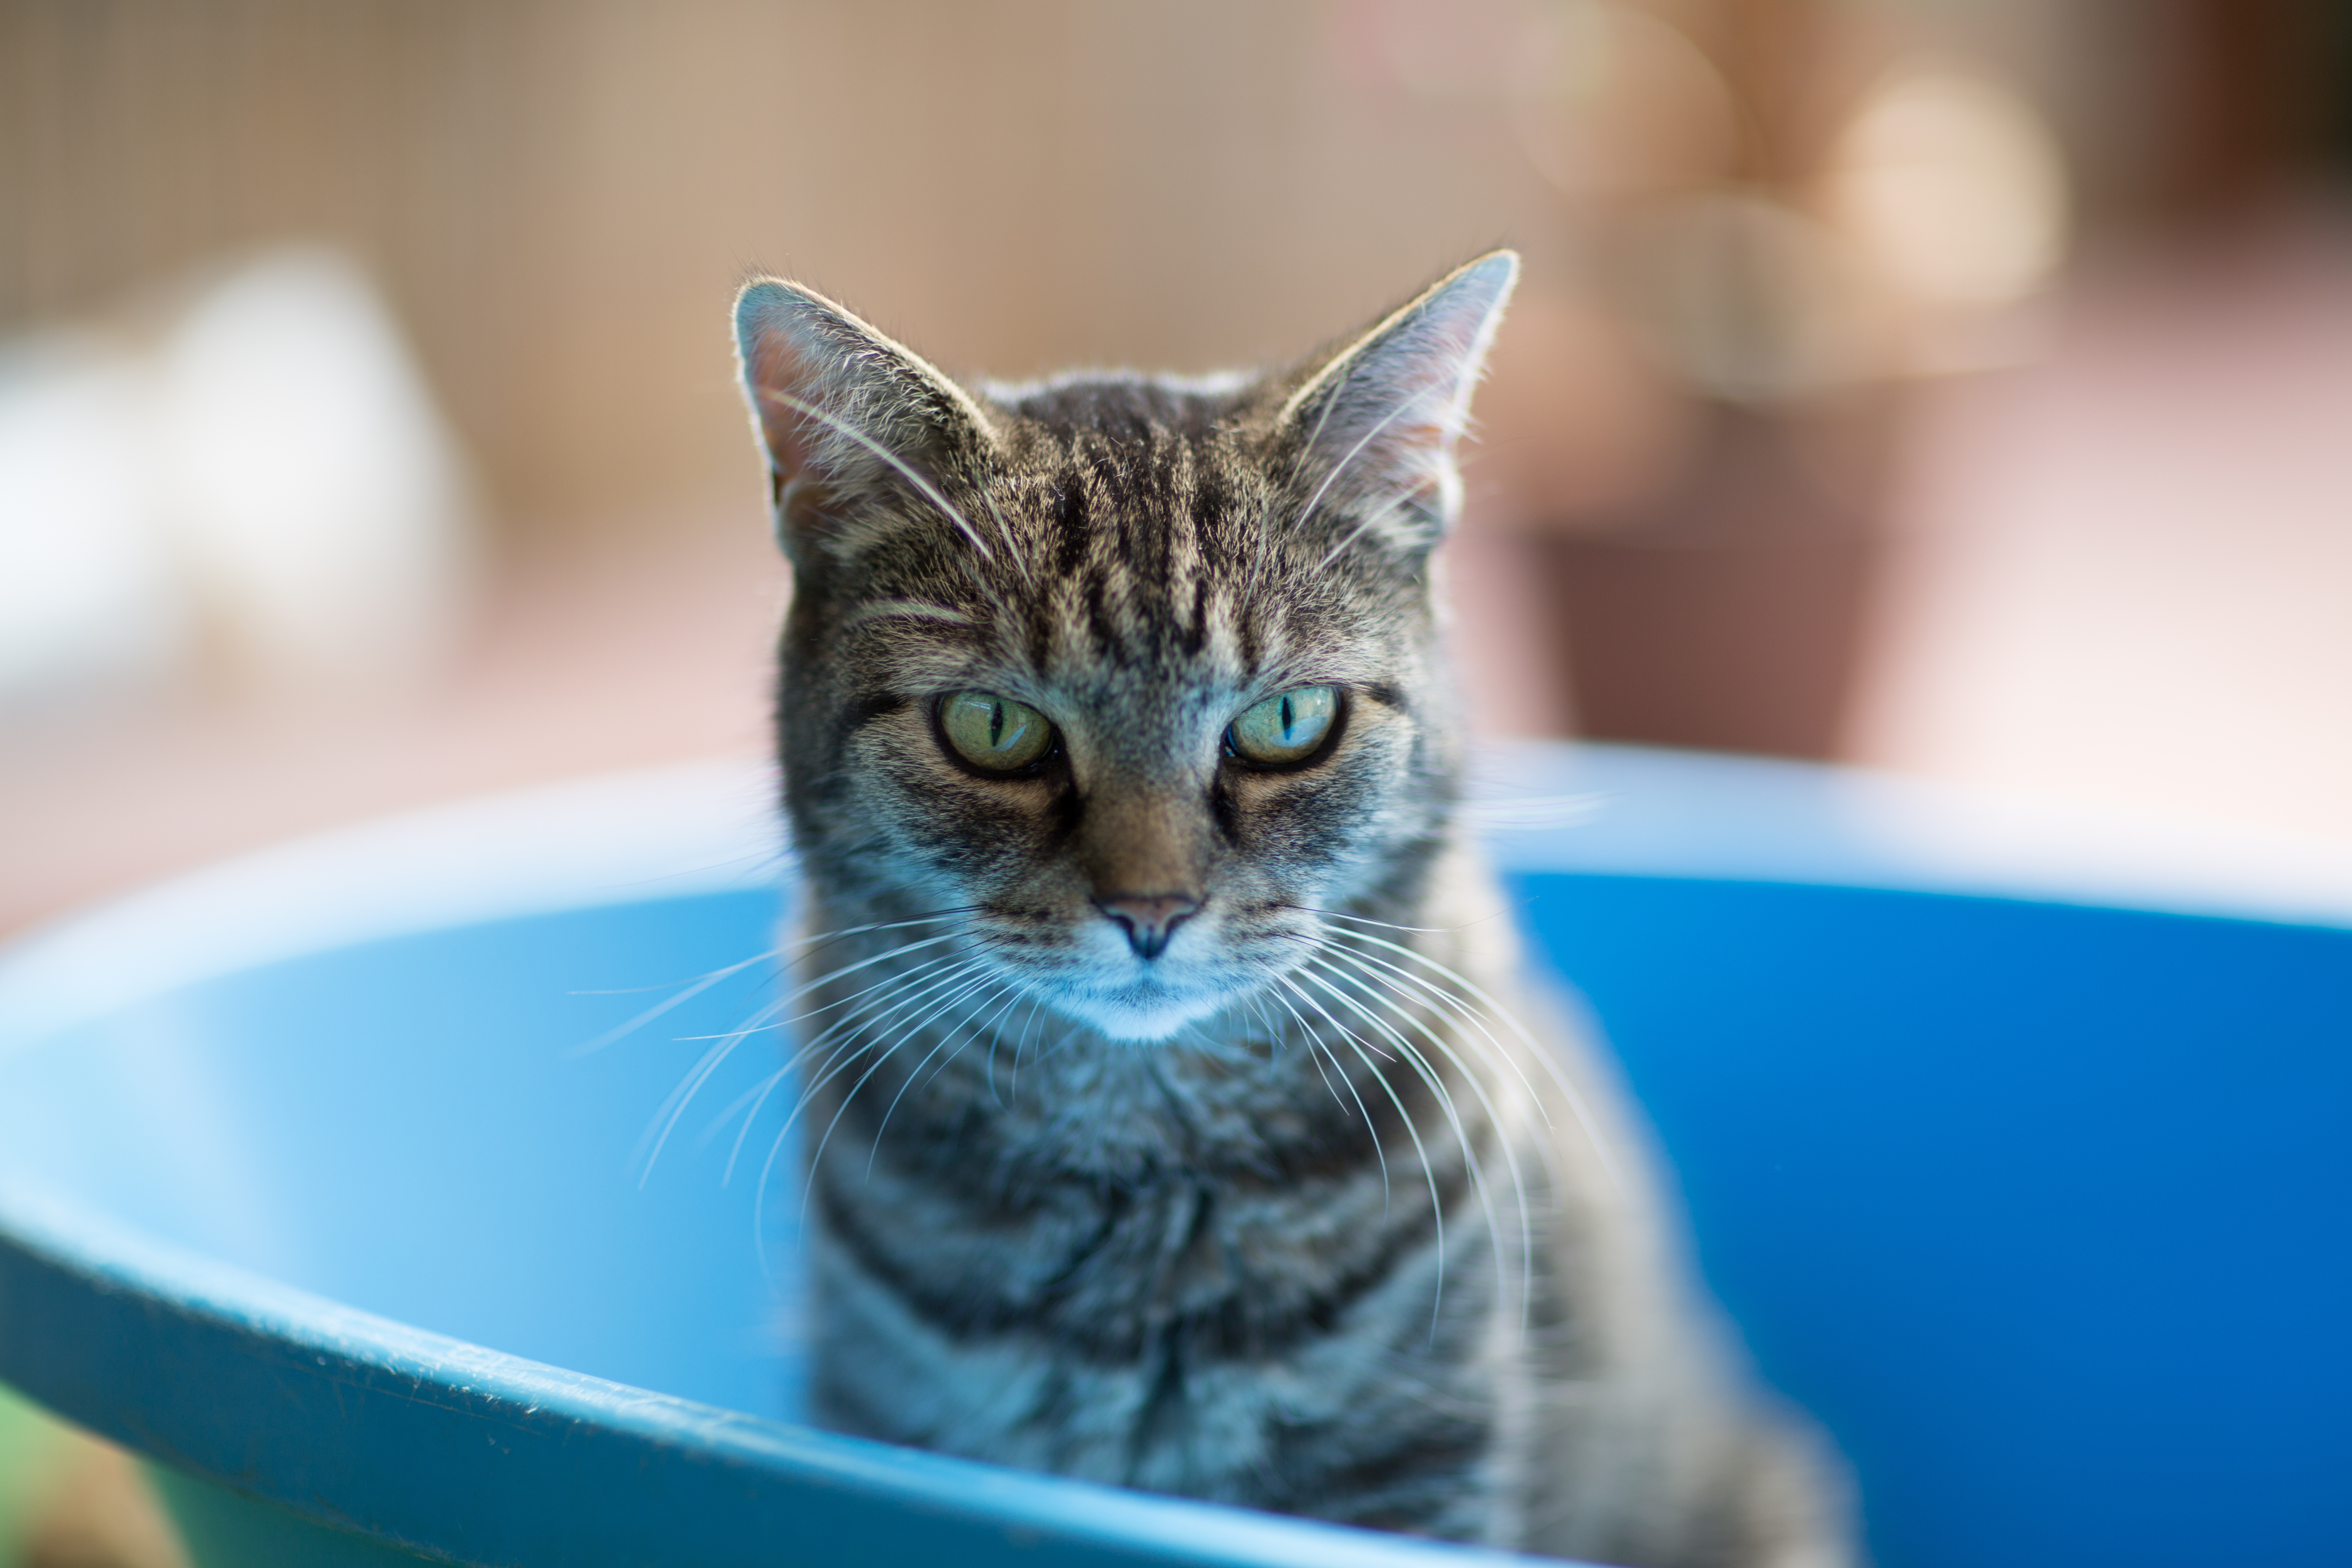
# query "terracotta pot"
(1729, 614)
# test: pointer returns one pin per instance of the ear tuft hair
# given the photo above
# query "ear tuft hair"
(843, 413)
(1377, 421)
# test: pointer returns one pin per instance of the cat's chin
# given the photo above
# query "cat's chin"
(1143, 1018)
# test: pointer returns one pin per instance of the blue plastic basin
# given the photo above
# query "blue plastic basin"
(2018, 1145)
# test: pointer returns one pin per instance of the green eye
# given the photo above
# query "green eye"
(1285, 729)
(994, 732)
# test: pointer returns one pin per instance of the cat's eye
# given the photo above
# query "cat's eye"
(994, 732)
(1286, 729)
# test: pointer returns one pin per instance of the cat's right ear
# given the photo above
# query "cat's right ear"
(845, 414)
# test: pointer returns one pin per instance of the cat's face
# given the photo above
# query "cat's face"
(1138, 679)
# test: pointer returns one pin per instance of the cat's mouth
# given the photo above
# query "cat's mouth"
(1151, 1001)
(1092, 973)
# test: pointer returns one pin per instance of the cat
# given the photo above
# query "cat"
(1173, 1116)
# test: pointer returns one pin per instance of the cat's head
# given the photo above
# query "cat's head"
(1136, 677)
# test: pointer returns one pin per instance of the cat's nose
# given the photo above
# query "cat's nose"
(1148, 919)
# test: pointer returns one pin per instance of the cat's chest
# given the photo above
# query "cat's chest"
(1249, 1253)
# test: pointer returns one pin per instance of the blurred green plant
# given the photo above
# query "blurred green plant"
(32, 1453)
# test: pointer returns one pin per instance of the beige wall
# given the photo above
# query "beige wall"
(560, 197)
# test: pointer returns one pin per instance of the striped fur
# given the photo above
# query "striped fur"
(1290, 1215)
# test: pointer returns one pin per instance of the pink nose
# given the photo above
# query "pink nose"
(1148, 919)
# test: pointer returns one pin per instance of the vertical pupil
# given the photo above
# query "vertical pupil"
(995, 725)
(1285, 719)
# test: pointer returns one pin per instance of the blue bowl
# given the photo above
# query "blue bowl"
(347, 1183)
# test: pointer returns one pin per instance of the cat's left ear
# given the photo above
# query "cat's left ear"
(1377, 421)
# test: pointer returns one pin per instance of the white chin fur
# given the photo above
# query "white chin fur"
(1143, 1020)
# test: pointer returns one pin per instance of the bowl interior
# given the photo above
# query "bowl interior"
(425, 1128)
(2039, 1208)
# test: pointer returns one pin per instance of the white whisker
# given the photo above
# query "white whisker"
(1372, 1129)
(929, 492)
(835, 1066)
(696, 989)
(1494, 1119)
(866, 1077)
(965, 1023)
(681, 1097)
(1481, 1039)
(1429, 1172)
(1369, 520)
(757, 1095)
(1553, 1069)
(1363, 443)
(666, 1115)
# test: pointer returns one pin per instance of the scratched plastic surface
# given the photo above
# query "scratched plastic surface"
(2039, 1207)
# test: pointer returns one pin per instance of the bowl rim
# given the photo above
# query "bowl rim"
(339, 1415)
(1601, 808)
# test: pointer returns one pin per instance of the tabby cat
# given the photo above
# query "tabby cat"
(1169, 1120)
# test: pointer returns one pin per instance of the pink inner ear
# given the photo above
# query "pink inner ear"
(1403, 446)
(1402, 400)
(779, 370)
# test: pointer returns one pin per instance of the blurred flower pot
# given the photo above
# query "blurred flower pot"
(1730, 614)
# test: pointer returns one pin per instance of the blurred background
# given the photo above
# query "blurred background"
(1959, 386)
